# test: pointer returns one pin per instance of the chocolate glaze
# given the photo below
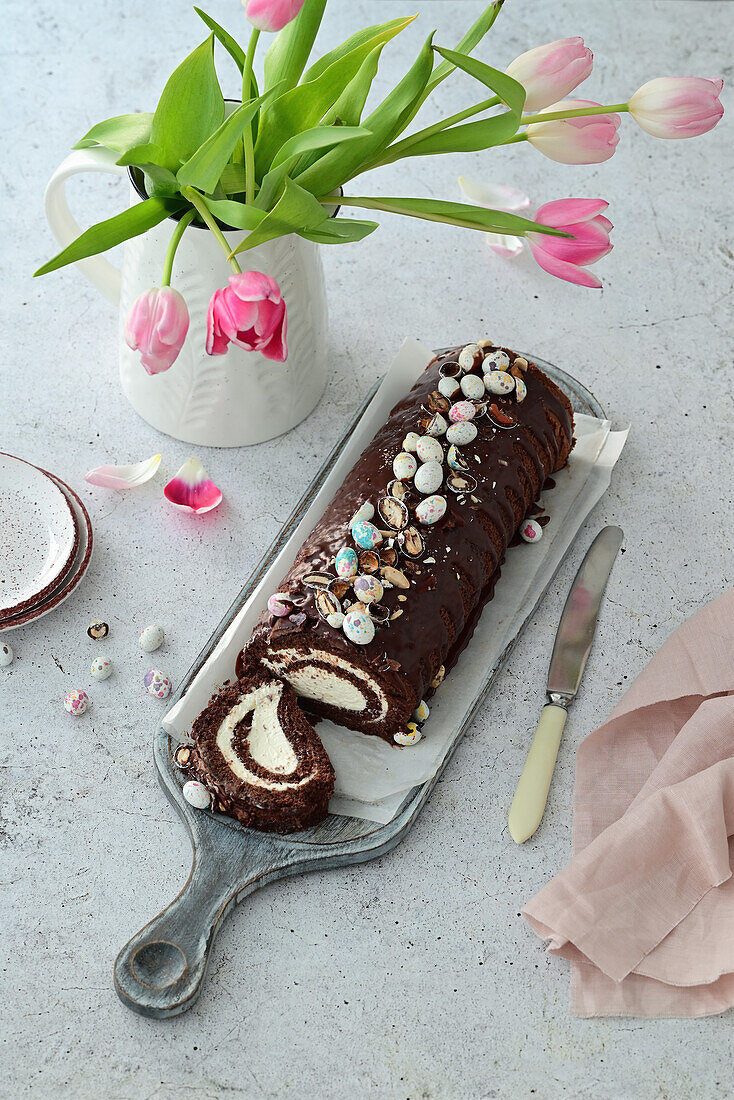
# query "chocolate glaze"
(446, 597)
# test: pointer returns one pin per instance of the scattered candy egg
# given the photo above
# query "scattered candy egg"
(157, 684)
(428, 477)
(358, 627)
(455, 459)
(521, 390)
(462, 433)
(462, 410)
(404, 465)
(496, 360)
(429, 449)
(6, 655)
(431, 510)
(336, 619)
(531, 531)
(411, 736)
(499, 381)
(152, 638)
(521, 363)
(279, 604)
(421, 712)
(101, 668)
(368, 589)
(97, 629)
(448, 387)
(345, 562)
(410, 443)
(197, 795)
(470, 356)
(76, 702)
(365, 511)
(366, 535)
(435, 425)
(472, 387)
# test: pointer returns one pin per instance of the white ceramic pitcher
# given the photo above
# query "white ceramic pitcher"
(214, 401)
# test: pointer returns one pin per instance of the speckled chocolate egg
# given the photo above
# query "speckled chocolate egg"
(521, 390)
(197, 795)
(76, 702)
(365, 511)
(280, 605)
(431, 510)
(368, 589)
(462, 410)
(345, 562)
(496, 360)
(429, 449)
(410, 736)
(472, 387)
(428, 477)
(462, 433)
(421, 712)
(366, 535)
(152, 638)
(98, 629)
(101, 668)
(6, 654)
(434, 425)
(448, 387)
(404, 465)
(531, 531)
(499, 381)
(336, 619)
(456, 460)
(358, 627)
(410, 442)
(470, 356)
(157, 684)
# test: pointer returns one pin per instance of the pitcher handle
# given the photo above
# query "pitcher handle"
(101, 273)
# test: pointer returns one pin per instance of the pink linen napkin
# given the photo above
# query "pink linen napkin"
(645, 909)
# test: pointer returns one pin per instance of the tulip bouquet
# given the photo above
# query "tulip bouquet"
(274, 164)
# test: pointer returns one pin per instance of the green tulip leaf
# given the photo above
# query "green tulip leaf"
(143, 154)
(380, 32)
(294, 211)
(120, 133)
(286, 59)
(472, 38)
(230, 44)
(339, 231)
(191, 107)
(98, 238)
(235, 214)
(204, 169)
(453, 213)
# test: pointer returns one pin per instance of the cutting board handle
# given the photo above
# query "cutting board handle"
(160, 971)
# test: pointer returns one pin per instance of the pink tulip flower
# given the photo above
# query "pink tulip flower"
(550, 72)
(271, 15)
(677, 106)
(156, 326)
(588, 139)
(567, 257)
(250, 313)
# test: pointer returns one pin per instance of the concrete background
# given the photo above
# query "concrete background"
(413, 976)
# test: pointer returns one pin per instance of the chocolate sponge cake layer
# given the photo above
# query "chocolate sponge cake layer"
(260, 758)
(436, 576)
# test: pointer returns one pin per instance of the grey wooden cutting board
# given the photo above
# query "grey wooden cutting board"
(160, 971)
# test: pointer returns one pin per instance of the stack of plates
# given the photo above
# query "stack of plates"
(45, 542)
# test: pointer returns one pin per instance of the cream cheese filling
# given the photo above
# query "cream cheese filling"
(266, 740)
(316, 683)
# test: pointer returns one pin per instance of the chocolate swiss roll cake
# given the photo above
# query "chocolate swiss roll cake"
(385, 592)
(260, 758)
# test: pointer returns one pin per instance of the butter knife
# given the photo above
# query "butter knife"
(570, 652)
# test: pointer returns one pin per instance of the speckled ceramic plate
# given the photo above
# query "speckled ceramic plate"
(71, 577)
(38, 535)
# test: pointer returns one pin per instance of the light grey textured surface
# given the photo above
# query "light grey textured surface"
(412, 976)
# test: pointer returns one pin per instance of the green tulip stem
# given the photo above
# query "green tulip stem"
(247, 136)
(551, 116)
(395, 152)
(197, 201)
(181, 225)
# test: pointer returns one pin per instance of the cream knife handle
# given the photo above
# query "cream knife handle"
(531, 794)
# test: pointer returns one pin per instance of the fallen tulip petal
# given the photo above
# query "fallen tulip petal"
(124, 477)
(191, 490)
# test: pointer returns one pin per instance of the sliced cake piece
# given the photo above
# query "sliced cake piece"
(260, 758)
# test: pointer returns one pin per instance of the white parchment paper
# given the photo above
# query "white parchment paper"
(372, 777)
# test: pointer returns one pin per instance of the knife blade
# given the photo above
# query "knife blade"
(570, 652)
